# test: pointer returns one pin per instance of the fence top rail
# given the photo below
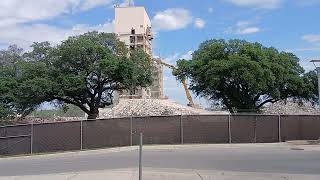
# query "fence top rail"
(126, 118)
(14, 125)
(18, 136)
(248, 114)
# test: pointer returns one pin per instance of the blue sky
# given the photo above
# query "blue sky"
(180, 25)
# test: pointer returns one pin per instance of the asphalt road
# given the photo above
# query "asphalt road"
(222, 158)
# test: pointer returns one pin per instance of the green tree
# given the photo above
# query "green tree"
(8, 60)
(84, 71)
(311, 80)
(19, 89)
(244, 76)
(10, 56)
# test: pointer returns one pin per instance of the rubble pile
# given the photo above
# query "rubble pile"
(149, 107)
(37, 120)
(291, 108)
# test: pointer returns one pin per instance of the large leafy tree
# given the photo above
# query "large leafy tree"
(84, 71)
(10, 56)
(8, 60)
(87, 69)
(311, 81)
(243, 76)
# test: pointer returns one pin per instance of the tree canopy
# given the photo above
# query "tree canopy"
(311, 80)
(244, 76)
(84, 71)
(8, 62)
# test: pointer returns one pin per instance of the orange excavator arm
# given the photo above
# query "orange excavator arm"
(191, 103)
(184, 82)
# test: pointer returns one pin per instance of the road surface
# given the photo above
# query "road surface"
(236, 158)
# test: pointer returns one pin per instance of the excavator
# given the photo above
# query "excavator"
(184, 82)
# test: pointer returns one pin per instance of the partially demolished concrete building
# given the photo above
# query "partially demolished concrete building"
(133, 26)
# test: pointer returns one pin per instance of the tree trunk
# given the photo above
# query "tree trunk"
(94, 112)
(92, 116)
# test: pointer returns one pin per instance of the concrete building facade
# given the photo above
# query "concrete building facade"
(133, 26)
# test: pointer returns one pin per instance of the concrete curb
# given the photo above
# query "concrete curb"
(167, 147)
(166, 174)
(304, 142)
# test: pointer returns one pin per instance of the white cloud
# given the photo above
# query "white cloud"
(243, 23)
(304, 49)
(172, 58)
(199, 23)
(312, 38)
(174, 19)
(126, 3)
(18, 20)
(187, 56)
(18, 11)
(89, 4)
(260, 4)
(210, 10)
(24, 35)
(243, 28)
(176, 56)
(83, 28)
(249, 30)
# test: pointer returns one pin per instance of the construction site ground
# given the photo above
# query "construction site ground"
(151, 107)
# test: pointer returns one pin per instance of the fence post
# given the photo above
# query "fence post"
(181, 129)
(31, 138)
(255, 129)
(229, 129)
(6, 135)
(131, 133)
(81, 135)
(279, 127)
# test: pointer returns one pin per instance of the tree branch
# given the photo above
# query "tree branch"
(81, 106)
(268, 101)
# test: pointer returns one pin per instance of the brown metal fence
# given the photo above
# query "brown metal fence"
(205, 129)
(156, 130)
(15, 140)
(105, 133)
(56, 137)
(91, 134)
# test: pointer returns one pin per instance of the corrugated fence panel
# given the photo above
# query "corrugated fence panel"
(267, 129)
(3, 131)
(56, 137)
(3, 146)
(11, 143)
(310, 127)
(157, 130)
(106, 133)
(19, 145)
(18, 130)
(205, 129)
(243, 128)
(66, 136)
(290, 128)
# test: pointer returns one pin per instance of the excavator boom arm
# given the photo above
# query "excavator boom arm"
(184, 82)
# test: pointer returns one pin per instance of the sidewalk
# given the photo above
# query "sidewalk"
(166, 174)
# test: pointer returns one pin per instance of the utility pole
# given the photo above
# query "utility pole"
(317, 65)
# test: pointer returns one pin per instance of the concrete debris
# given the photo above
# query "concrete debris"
(292, 108)
(150, 107)
(37, 120)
